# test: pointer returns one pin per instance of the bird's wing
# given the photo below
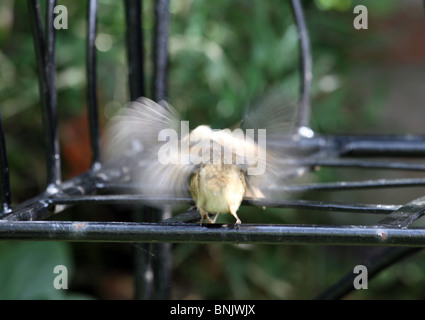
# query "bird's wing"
(272, 115)
(148, 135)
(274, 111)
(137, 126)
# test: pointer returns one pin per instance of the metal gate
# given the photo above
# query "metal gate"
(30, 220)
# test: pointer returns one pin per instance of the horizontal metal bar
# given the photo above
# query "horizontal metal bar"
(36, 210)
(356, 163)
(83, 189)
(400, 218)
(188, 233)
(383, 145)
(327, 146)
(40, 207)
(327, 206)
(324, 186)
(192, 215)
(115, 199)
(349, 185)
(300, 204)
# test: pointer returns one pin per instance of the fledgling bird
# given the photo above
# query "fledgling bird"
(218, 167)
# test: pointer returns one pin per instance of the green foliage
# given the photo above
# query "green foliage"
(223, 54)
(27, 270)
(226, 53)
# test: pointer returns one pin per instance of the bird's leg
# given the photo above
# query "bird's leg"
(209, 219)
(204, 215)
(233, 212)
(215, 218)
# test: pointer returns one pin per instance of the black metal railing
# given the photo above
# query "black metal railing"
(28, 220)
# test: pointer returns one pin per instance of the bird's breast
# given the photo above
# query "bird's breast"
(221, 187)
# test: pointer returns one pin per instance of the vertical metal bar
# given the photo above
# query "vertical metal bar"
(142, 260)
(136, 83)
(143, 277)
(5, 198)
(135, 56)
(45, 54)
(92, 84)
(162, 263)
(303, 116)
(160, 49)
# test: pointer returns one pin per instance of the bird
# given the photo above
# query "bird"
(217, 167)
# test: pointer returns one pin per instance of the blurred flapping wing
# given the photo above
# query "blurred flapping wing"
(148, 135)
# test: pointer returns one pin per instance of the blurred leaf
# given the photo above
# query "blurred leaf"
(26, 269)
